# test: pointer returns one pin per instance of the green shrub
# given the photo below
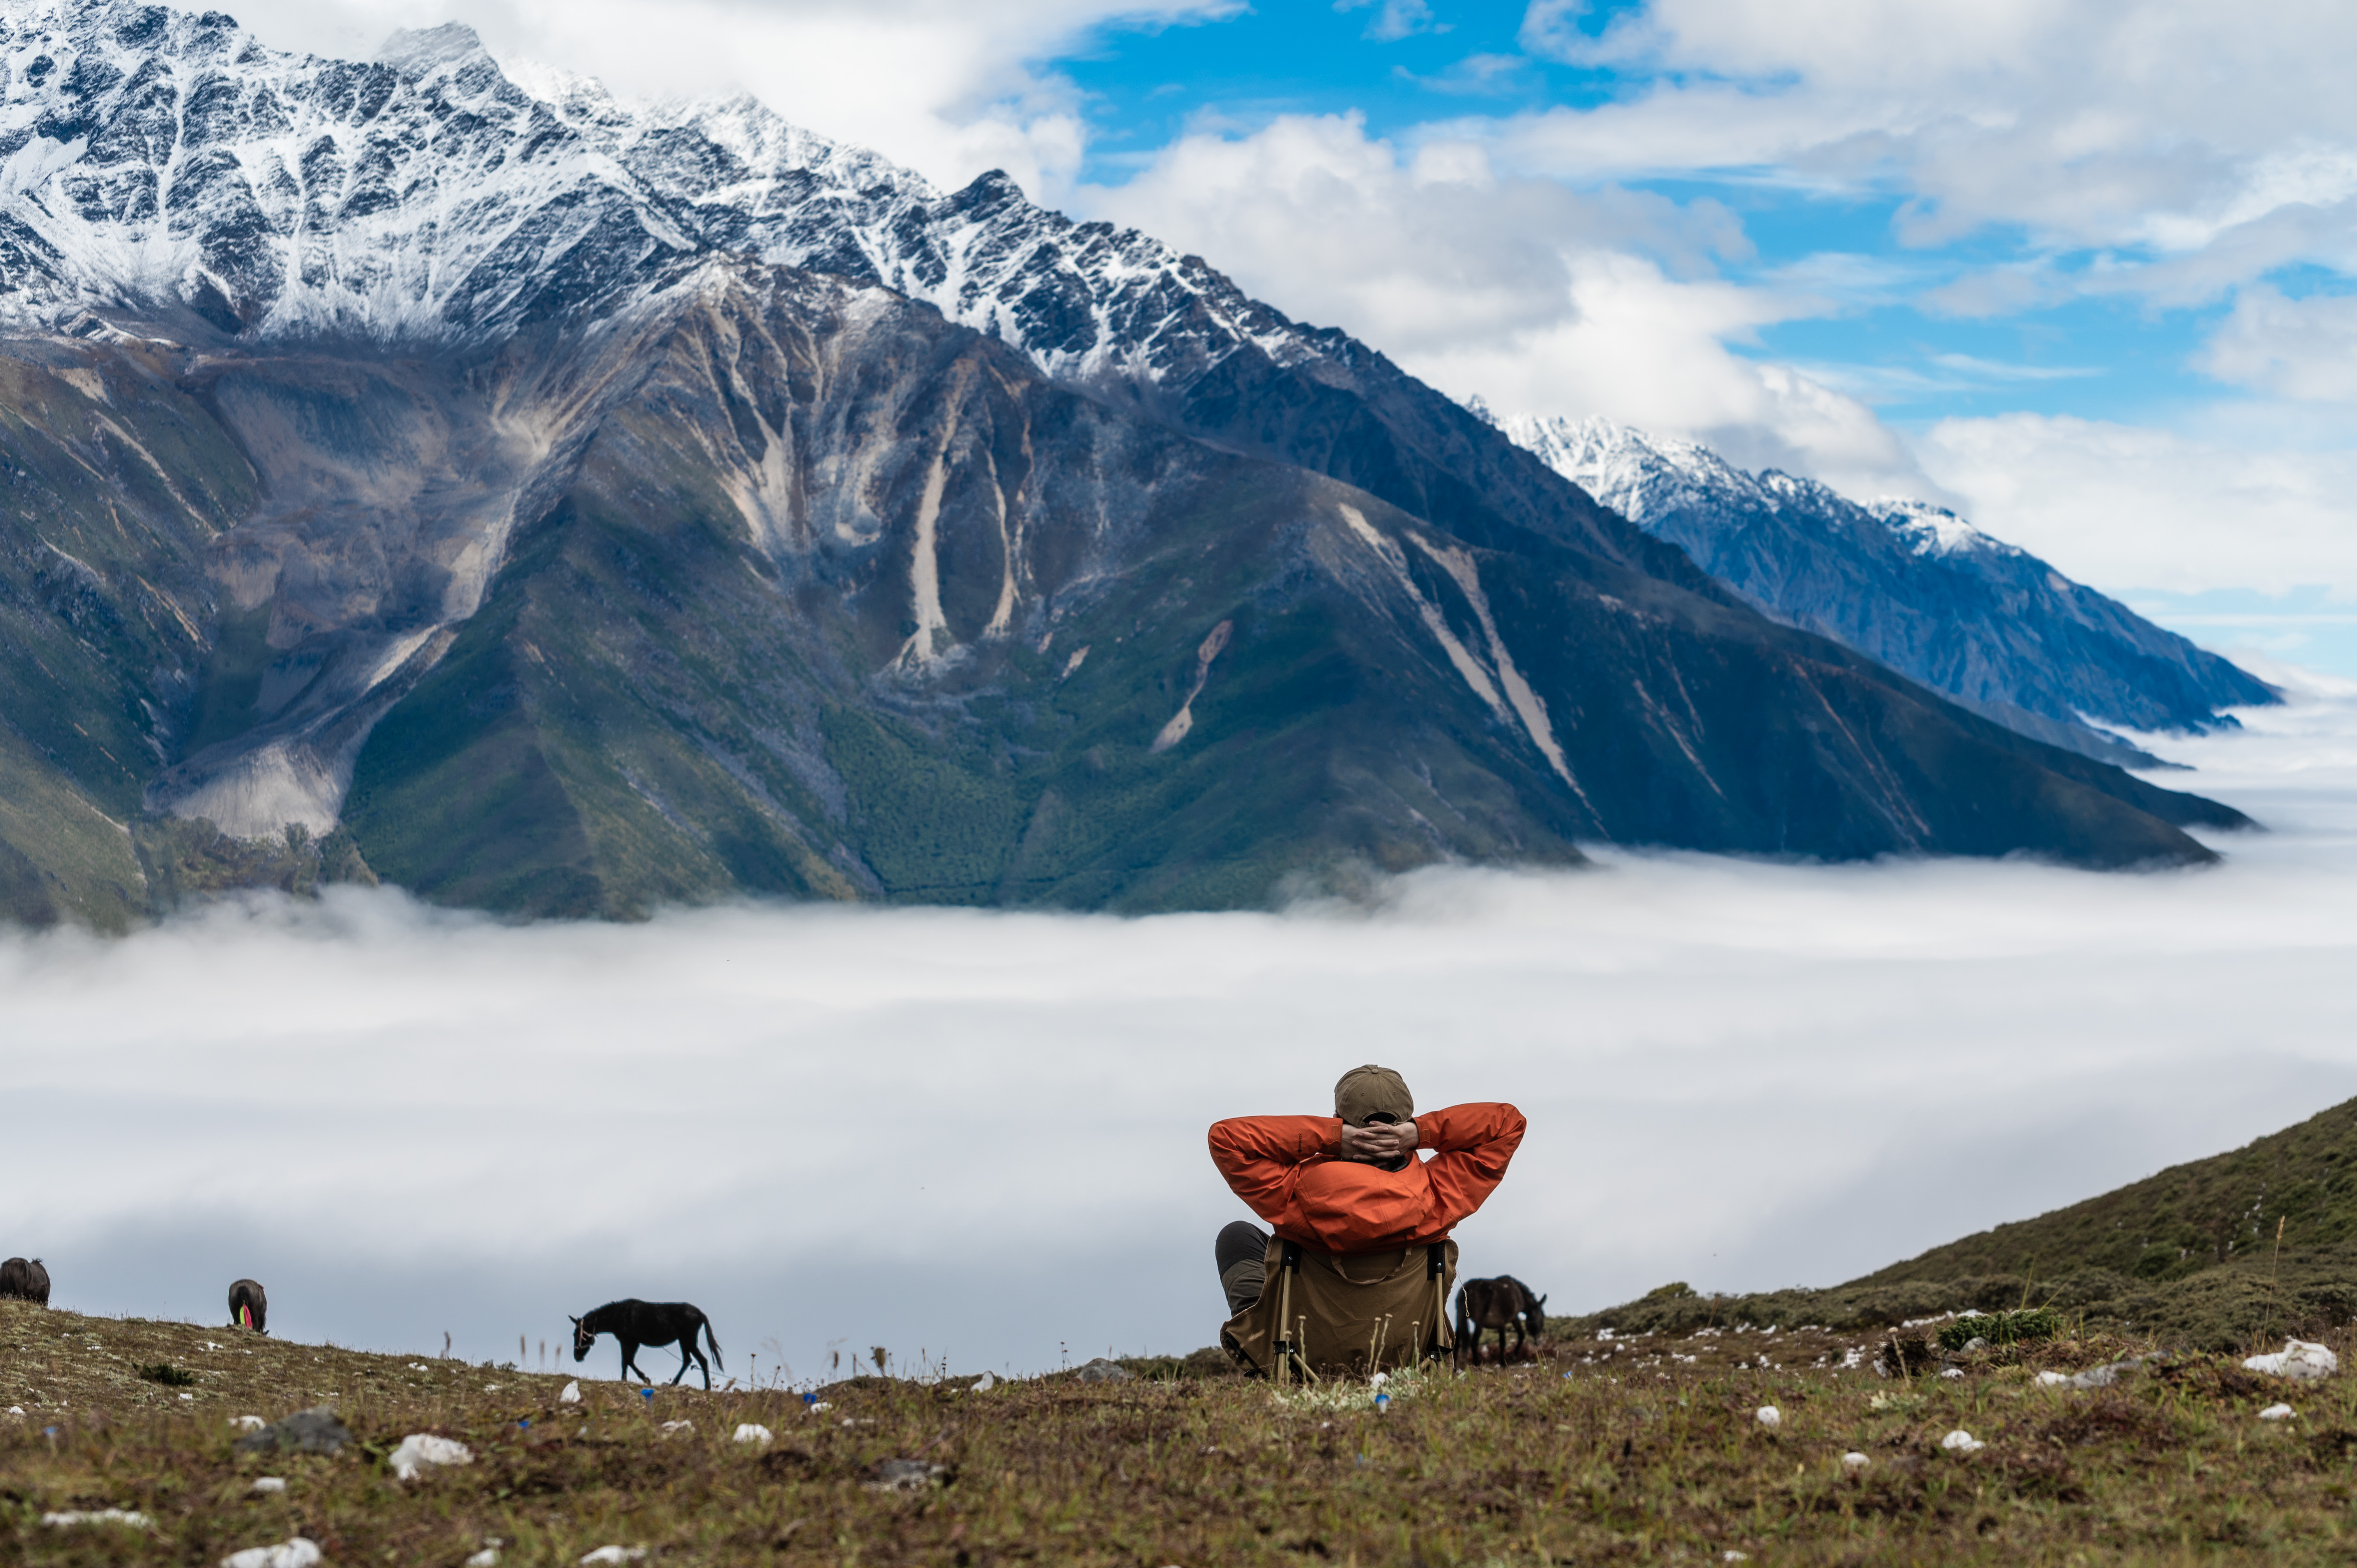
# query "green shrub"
(2002, 1328)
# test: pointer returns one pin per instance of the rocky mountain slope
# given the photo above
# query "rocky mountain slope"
(1987, 625)
(404, 457)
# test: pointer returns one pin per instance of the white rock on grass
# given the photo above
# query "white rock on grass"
(299, 1553)
(488, 1557)
(247, 1422)
(754, 1432)
(671, 1426)
(129, 1518)
(615, 1554)
(2299, 1361)
(2052, 1380)
(420, 1449)
(1854, 1462)
(985, 1383)
(1962, 1442)
(2277, 1413)
(266, 1484)
(1769, 1416)
(571, 1394)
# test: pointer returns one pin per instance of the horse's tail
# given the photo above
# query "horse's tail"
(708, 1340)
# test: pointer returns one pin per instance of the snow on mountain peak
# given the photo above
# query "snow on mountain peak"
(166, 165)
(1934, 530)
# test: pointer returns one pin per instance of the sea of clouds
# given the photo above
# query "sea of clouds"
(980, 1135)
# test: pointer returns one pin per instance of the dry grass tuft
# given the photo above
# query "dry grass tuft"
(1638, 1449)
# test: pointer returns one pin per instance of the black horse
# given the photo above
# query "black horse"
(25, 1280)
(248, 1307)
(1501, 1303)
(637, 1322)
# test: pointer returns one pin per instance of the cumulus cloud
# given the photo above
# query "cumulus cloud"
(1535, 297)
(2258, 499)
(2168, 127)
(981, 1135)
(2302, 349)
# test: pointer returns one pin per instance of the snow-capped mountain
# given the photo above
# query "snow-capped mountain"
(578, 505)
(1912, 585)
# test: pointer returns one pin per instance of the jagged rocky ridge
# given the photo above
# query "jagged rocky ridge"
(402, 456)
(1986, 624)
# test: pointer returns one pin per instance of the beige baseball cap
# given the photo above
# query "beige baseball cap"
(1371, 1090)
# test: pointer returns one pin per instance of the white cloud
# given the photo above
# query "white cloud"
(1739, 1075)
(1394, 19)
(2126, 507)
(1537, 297)
(2301, 348)
(949, 88)
(2172, 128)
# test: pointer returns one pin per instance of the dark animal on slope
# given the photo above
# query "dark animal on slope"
(1500, 1303)
(24, 1279)
(248, 1307)
(637, 1322)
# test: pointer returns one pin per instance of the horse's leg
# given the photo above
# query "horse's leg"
(687, 1348)
(700, 1363)
(630, 1355)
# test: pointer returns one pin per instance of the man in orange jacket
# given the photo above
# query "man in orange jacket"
(1362, 1223)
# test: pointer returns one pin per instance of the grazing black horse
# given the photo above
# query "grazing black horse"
(248, 1307)
(637, 1322)
(24, 1279)
(1483, 1304)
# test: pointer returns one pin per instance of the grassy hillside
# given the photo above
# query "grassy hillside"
(1601, 1450)
(2190, 1254)
(2189, 1219)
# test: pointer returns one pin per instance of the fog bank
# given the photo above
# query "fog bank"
(982, 1135)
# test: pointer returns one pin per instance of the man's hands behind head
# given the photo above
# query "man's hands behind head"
(1377, 1143)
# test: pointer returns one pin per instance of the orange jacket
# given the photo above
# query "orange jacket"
(1287, 1168)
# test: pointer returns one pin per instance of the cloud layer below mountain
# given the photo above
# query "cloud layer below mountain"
(980, 1135)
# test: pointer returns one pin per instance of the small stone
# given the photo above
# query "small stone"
(247, 1422)
(1104, 1371)
(1769, 1416)
(313, 1431)
(2298, 1360)
(753, 1432)
(1854, 1462)
(129, 1518)
(267, 1484)
(420, 1449)
(488, 1557)
(299, 1553)
(615, 1554)
(2052, 1380)
(569, 1395)
(985, 1383)
(2277, 1413)
(906, 1475)
(1952, 1371)
(1976, 1343)
(669, 1427)
(1962, 1442)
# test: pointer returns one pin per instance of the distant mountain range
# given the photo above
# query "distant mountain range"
(1990, 626)
(561, 506)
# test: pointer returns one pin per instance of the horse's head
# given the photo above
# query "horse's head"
(1533, 1320)
(583, 1338)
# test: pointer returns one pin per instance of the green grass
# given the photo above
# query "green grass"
(1639, 1453)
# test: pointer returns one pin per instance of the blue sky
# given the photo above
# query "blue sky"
(2086, 270)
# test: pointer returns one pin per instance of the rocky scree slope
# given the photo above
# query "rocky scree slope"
(478, 490)
(1989, 626)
